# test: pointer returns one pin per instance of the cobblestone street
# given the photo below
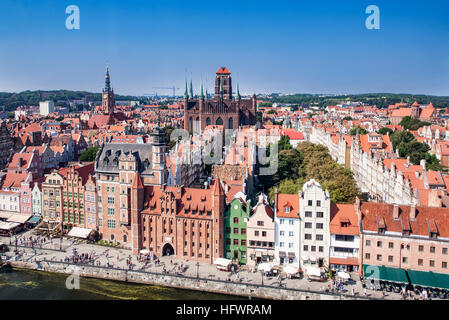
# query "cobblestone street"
(117, 258)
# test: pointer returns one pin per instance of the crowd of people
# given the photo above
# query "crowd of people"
(78, 258)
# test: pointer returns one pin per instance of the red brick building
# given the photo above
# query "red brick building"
(184, 222)
(223, 109)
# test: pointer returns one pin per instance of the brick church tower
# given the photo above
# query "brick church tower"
(108, 101)
(224, 109)
(223, 83)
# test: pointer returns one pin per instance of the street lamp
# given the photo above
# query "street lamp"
(197, 270)
(261, 272)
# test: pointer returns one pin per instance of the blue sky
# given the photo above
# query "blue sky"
(269, 46)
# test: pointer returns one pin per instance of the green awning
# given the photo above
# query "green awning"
(385, 273)
(429, 279)
(34, 219)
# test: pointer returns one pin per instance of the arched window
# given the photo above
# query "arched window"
(231, 123)
(207, 121)
(219, 122)
(191, 123)
(197, 125)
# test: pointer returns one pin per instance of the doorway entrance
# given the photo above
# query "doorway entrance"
(320, 263)
(167, 250)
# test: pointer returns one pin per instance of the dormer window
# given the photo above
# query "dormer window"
(344, 224)
(287, 209)
(381, 230)
(433, 235)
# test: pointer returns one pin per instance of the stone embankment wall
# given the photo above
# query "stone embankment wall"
(183, 282)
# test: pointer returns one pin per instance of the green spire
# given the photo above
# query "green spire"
(201, 91)
(238, 91)
(107, 81)
(186, 93)
(207, 95)
(191, 89)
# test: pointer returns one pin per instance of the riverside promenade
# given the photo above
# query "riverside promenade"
(113, 264)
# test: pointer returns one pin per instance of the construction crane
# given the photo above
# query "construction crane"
(168, 88)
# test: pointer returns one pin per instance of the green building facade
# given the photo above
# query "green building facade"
(236, 217)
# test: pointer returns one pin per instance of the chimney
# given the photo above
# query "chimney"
(413, 212)
(396, 212)
(423, 164)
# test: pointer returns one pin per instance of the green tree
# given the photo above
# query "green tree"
(89, 154)
(410, 123)
(284, 143)
(309, 161)
(353, 131)
(401, 136)
(385, 131)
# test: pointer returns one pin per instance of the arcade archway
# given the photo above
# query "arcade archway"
(167, 250)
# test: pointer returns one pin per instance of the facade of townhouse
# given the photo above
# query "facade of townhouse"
(287, 224)
(73, 191)
(36, 199)
(344, 248)
(235, 229)
(25, 195)
(116, 167)
(90, 203)
(261, 234)
(406, 237)
(52, 200)
(314, 225)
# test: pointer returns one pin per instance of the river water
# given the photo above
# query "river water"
(30, 285)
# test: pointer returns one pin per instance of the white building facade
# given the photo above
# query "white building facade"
(314, 225)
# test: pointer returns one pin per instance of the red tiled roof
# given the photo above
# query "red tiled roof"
(287, 200)
(344, 213)
(223, 70)
(426, 217)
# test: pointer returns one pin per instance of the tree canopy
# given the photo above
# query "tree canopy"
(410, 123)
(408, 146)
(385, 131)
(309, 161)
(354, 130)
(89, 154)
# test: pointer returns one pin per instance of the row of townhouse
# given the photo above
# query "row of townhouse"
(306, 229)
(378, 170)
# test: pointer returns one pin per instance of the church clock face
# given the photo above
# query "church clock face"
(105, 96)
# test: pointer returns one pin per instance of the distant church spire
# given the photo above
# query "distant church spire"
(238, 91)
(201, 91)
(186, 93)
(108, 101)
(191, 89)
(107, 81)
